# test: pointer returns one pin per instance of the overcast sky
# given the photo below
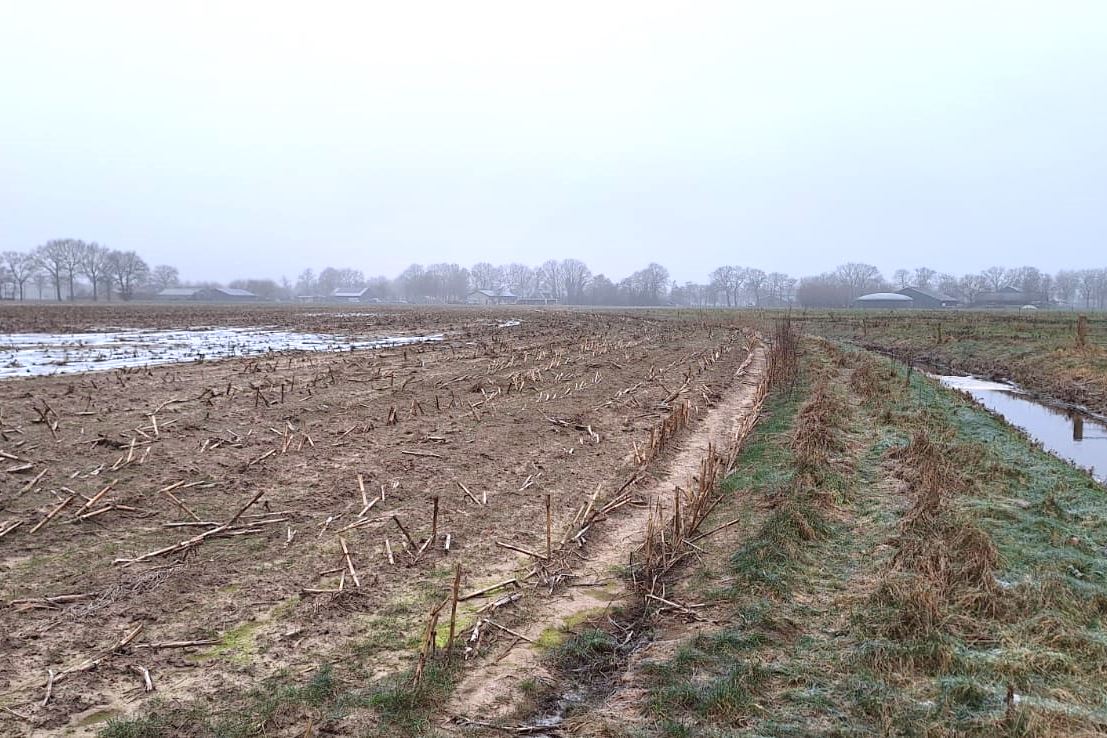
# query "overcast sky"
(258, 138)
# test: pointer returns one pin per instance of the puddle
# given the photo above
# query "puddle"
(1071, 434)
(44, 354)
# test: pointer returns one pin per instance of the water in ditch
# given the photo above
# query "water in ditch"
(1071, 434)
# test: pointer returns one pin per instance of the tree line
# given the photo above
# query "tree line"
(1079, 288)
(68, 269)
(568, 281)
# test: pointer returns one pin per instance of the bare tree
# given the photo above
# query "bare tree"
(21, 268)
(781, 286)
(40, 280)
(1027, 278)
(727, 279)
(485, 276)
(575, 276)
(550, 278)
(971, 285)
(1065, 285)
(924, 277)
(647, 286)
(995, 277)
(163, 277)
(755, 283)
(128, 270)
(902, 277)
(53, 258)
(93, 263)
(413, 283)
(521, 279)
(947, 284)
(858, 278)
(306, 283)
(448, 282)
(73, 254)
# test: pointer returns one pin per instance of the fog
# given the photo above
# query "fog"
(260, 138)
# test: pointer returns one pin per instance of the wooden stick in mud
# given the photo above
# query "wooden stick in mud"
(453, 610)
(49, 686)
(428, 643)
(549, 538)
(427, 454)
(467, 492)
(434, 520)
(245, 507)
(364, 498)
(406, 535)
(349, 561)
(179, 644)
(520, 550)
(52, 513)
(186, 544)
(148, 683)
(486, 590)
(167, 403)
(93, 513)
(15, 524)
(29, 485)
(181, 505)
(509, 630)
(716, 529)
(95, 498)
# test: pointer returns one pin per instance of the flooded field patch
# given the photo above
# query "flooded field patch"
(43, 354)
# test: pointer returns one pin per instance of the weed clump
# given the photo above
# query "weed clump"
(815, 436)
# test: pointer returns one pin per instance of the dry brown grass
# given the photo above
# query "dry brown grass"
(815, 438)
(943, 572)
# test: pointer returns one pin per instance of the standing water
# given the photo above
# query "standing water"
(1071, 434)
(44, 354)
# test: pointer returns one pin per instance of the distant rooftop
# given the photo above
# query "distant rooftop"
(932, 294)
(496, 293)
(884, 296)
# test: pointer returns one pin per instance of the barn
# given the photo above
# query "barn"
(491, 297)
(226, 294)
(884, 301)
(177, 294)
(351, 294)
(929, 298)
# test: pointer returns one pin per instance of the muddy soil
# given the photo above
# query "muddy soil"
(492, 690)
(131, 462)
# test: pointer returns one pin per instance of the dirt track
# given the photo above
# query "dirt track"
(556, 405)
(491, 692)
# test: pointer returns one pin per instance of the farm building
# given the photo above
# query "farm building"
(884, 301)
(538, 298)
(350, 294)
(929, 298)
(491, 297)
(171, 294)
(1011, 297)
(227, 294)
(206, 294)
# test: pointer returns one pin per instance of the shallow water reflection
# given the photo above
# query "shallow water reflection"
(1070, 434)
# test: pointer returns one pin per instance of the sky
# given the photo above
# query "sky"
(255, 139)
